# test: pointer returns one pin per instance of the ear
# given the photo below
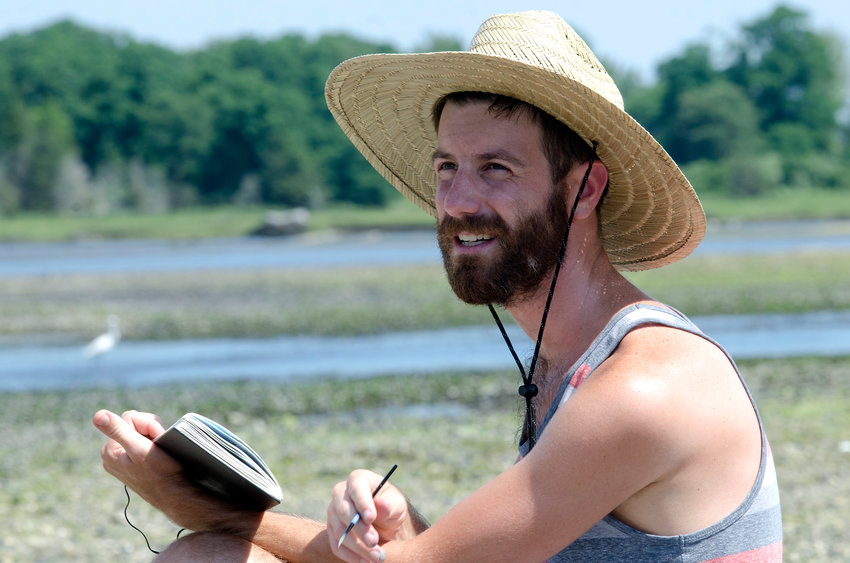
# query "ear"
(597, 181)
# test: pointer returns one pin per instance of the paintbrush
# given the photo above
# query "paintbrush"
(356, 518)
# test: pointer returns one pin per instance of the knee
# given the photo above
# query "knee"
(213, 548)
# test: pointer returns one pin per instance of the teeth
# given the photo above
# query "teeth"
(472, 240)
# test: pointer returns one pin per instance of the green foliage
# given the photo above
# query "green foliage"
(752, 176)
(714, 122)
(766, 121)
(36, 159)
(740, 176)
(96, 123)
(153, 128)
(790, 73)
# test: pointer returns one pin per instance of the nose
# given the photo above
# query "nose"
(459, 195)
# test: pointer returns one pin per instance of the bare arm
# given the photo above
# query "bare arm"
(542, 503)
(636, 440)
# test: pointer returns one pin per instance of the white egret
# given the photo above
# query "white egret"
(106, 341)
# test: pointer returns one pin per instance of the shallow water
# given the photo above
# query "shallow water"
(825, 333)
(347, 249)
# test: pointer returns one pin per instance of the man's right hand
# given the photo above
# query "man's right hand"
(387, 517)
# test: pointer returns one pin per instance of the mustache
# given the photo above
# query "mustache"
(451, 226)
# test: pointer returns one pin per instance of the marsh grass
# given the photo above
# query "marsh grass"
(352, 301)
(781, 204)
(184, 224)
(202, 222)
(771, 283)
(399, 213)
(449, 433)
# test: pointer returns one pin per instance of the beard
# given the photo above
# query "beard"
(528, 254)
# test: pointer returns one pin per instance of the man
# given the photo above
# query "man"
(650, 447)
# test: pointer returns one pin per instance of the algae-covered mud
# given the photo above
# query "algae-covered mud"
(449, 433)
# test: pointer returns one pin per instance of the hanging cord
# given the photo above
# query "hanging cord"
(127, 518)
(528, 390)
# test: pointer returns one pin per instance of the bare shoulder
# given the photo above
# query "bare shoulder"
(680, 394)
(664, 348)
(672, 379)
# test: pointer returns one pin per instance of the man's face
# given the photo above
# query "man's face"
(500, 219)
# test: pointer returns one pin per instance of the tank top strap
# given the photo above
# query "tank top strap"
(624, 322)
(606, 342)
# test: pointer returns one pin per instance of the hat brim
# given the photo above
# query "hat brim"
(650, 216)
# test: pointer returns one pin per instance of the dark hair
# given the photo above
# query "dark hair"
(562, 146)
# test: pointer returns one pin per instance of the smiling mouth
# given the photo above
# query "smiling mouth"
(468, 240)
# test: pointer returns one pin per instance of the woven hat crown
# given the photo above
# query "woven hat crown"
(384, 103)
(542, 39)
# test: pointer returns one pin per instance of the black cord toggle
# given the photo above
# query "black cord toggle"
(528, 391)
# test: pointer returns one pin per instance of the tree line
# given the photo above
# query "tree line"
(93, 122)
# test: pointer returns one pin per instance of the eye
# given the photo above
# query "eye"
(496, 170)
(445, 169)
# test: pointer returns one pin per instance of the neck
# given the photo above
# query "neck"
(589, 291)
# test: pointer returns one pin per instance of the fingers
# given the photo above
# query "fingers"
(353, 549)
(359, 492)
(145, 423)
(350, 498)
(123, 434)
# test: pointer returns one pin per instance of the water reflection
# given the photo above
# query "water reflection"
(824, 333)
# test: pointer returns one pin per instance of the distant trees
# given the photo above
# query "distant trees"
(93, 122)
(762, 115)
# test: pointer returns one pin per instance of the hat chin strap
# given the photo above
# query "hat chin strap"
(528, 390)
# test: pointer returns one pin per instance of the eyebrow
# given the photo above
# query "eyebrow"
(494, 155)
(439, 154)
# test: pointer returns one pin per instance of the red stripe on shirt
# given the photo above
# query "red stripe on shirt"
(767, 554)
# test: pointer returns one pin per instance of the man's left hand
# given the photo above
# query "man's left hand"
(131, 456)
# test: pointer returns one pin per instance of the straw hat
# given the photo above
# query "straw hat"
(651, 215)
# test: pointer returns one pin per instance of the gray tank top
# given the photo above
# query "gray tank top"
(752, 532)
